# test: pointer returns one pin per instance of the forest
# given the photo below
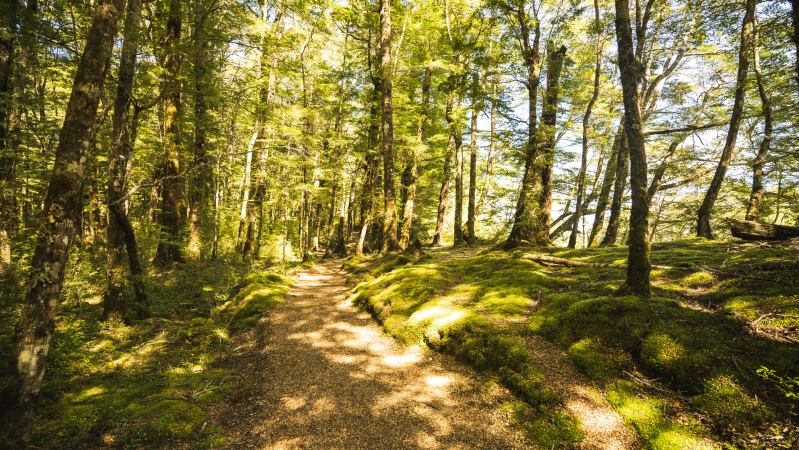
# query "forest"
(154, 153)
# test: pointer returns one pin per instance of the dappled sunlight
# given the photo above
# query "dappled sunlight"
(331, 379)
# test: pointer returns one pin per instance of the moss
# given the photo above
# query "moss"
(697, 279)
(649, 416)
(545, 429)
(724, 400)
(598, 361)
(171, 418)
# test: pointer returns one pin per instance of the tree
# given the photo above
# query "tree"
(703, 215)
(390, 227)
(57, 228)
(638, 265)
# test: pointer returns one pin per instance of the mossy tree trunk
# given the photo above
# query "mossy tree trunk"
(548, 121)
(390, 242)
(57, 227)
(443, 193)
(413, 173)
(119, 232)
(703, 215)
(12, 108)
(202, 174)
(638, 265)
(168, 250)
(525, 220)
(470, 218)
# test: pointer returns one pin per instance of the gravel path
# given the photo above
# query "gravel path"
(319, 374)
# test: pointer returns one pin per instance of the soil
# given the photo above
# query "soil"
(318, 373)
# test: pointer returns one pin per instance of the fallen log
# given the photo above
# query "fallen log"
(570, 263)
(758, 231)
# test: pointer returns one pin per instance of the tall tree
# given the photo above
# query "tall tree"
(470, 237)
(578, 203)
(121, 239)
(25, 58)
(548, 120)
(202, 174)
(171, 189)
(57, 227)
(390, 242)
(753, 209)
(703, 215)
(410, 191)
(630, 67)
(525, 220)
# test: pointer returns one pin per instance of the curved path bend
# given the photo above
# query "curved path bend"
(320, 374)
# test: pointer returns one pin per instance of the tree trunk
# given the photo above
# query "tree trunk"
(525, 220)
(410, 193)
(470, 219)
(119, 232)
(753, 210)
(638, 267)
(491, 146)
(604, 191)
(703, 215)
(578, 203)
(57, 228)
(367, 200)
(171, 190)
(390, 243)
(13, 109)
(457, 136)
(548, 122)
(619, 186)
(442, 196)
(199, 181)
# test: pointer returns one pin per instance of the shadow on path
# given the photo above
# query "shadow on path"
(322, 375)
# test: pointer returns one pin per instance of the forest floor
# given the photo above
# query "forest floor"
(318, 373)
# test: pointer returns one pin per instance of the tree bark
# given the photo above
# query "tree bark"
(442, 196)
(470, 218)
(753, 210)
(619, 186)
(703, 215)
(525, 220)
(119, 232)
(410, 192)
(630, 67)
(168, 250)
(57, 228)
(13, 109)
(578, 203)
(548, 121)
(200, 179)
(604, 191)
(390, 243)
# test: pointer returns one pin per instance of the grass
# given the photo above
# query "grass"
(731, 383)
(154, 382)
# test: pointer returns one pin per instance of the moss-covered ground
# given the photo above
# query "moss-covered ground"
(686, 367)
(149, 384)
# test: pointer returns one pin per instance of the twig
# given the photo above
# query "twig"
(773, 315)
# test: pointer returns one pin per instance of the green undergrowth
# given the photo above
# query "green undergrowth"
(154, 382)
(731, 382)
(448, 307)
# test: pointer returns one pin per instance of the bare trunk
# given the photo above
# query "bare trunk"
(57, 228)
(199, 180)
(442, 196)
(470, 219)
(753, 210)
(578, 203)
(619, 186)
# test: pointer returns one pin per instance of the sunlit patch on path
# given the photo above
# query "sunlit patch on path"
(323, 375)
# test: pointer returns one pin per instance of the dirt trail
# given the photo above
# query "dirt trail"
(322, 375)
